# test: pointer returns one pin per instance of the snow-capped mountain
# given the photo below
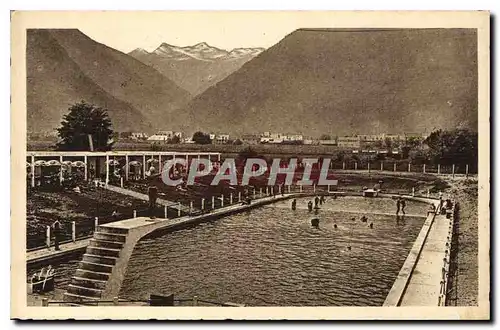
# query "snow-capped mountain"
(201, 51)
(196, 67)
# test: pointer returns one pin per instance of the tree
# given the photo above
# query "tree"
(175, 140)
(325, 137)
(201, 138)
(83, 120)
(459, 146)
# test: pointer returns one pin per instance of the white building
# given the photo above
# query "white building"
(222, 138)
(164, 136)
(138, 136)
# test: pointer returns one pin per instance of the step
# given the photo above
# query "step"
(85, 273)
(96, 267)
(100, 251)
(105, 244)
(84, 291)
(76, 298)
(112, 230)
(99, 259)
(110, 237)
(89, 282)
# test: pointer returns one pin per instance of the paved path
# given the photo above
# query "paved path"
(144, 197)
(46, 253)
(424, 286)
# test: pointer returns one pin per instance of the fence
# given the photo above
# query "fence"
(84, 229)
(404, 166)
(152, 301)
(192, 205)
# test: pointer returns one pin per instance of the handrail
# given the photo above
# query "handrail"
(195, 301)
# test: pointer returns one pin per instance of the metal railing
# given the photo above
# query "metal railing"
(445, 271)
(195, 301)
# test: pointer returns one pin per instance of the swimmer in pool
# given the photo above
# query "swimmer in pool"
(371, 225)
(335, 226)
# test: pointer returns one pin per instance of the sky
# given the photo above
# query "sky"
(127, 31)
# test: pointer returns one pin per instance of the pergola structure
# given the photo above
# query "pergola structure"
(92, 160)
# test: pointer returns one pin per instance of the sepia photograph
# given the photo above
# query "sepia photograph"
(250, 165)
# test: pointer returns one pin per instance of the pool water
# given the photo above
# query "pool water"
(272, 256)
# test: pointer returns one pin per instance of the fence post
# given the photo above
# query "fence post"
(343, 165)
(239, 196)
(179, 209)
(355, 165)
(260, 192)
(288, 188)
(428, 193)
(190, 206)
(424, 168)
(279, 190)
(328, 188)
(439, 168)
(203, 203)
(314, 188)
(230, 198)
(409, 167)
(165, 209)
(73, 231)
(135, 214)
(453, 170)
(48, 236)
(96, 223)
(121, 181)
(300, 188)
(394, 167)
(253, 193)
(381, 165)
(413, 191)
(213, 202)
(467, 171)
(222, 200)
(368, 167)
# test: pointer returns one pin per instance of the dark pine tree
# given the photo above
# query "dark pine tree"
(83, 120)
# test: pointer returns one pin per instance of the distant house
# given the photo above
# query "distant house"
(293, 138)
(272, 138)
(250, 138)
(164, 136)
(221, 138)
(349, 142)
(138, 136)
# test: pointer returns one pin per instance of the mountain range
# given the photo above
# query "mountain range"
(197, 67)
(340, 81)
(314, 81)
(64, 66)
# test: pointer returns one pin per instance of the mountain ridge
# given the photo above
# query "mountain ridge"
(337, 82)
(70, 67)
(196, 67)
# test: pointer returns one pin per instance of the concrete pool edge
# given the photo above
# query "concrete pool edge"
(147, 228)
(398, 289)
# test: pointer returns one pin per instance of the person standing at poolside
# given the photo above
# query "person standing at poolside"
(403, 205)
(153, 195)
(398, 205)
(57, 234)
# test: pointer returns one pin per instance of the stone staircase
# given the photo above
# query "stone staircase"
(94, 270)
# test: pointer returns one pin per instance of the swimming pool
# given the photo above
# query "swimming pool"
(272, 256)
